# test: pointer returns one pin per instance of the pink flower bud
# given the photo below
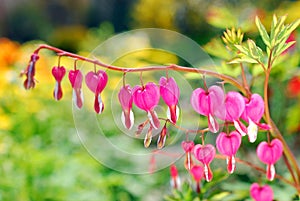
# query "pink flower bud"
(228, 144)
(146, 98)
(209, 103)
(96, 82)
(76, 77)
(261, 193)
(197, 172)
(175, 180)
(270, 154)
(58, 73)
(205, 154)
(125, 99)
(170, 93)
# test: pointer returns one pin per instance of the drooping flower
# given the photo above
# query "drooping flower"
(96, 82)
(58, 73)
(126, 99)
(228, 144)
(175, 179)
(261, 193)
(205, 154)
(76, 77)
(188, 147)
(209, 103)
(146, 98)
(197, 172)
(270, 153)
(235, 106)
(30, 72)
(170, 93)
(254, 110)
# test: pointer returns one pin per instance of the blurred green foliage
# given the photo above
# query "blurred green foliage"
(41, 156)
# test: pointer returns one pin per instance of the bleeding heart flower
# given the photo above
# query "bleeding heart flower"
(175, 180)
(96, 82)
(235, 106)
(146, 98)
(30, 72)
(205, 154)
(270, 154)
(188, 146)
(209, 103)
(228, 144)
(261, 193)
(170, 93)
(58, 73)
(254, 110)
(197, 172)
(126, 99)
(76, 77)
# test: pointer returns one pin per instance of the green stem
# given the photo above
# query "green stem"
(291, 161)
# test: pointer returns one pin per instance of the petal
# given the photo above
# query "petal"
(77, 97)
(173, 113)
(252, 131)
(199, 101)
(240, 127)
(271, 172)
(217, 102)
(169, 90)
(230, 160)
(127, 119)
(204, 153)
(235, 105)
(152, 116)
(208, 173)
(98, 104)
(125, 97)
(213, 124)
(57, 93)
(254, 109)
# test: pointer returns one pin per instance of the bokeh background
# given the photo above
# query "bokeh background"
(41, 155)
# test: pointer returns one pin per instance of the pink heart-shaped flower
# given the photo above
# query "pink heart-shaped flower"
(75, 77)
(187, 146)
(261, 193)
(204, 153)
(270, 154)
(228, 144)
(96, 82)
(235, 105)
(146, 97)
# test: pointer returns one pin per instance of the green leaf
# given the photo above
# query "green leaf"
(291, 27)
(242, 49)
(273, 25)
(285, 47)
(263, 33)
(252, 49)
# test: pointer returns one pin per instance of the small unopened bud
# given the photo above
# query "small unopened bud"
(162, 137)
(148, 137)
(175, 180)
(140, 128)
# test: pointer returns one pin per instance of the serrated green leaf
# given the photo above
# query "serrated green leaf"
(252, 49)
(285, 47)
(279, 26)
(273, 25)
(242, 49)
(262, 30)
(243, 59)
(291, 27)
